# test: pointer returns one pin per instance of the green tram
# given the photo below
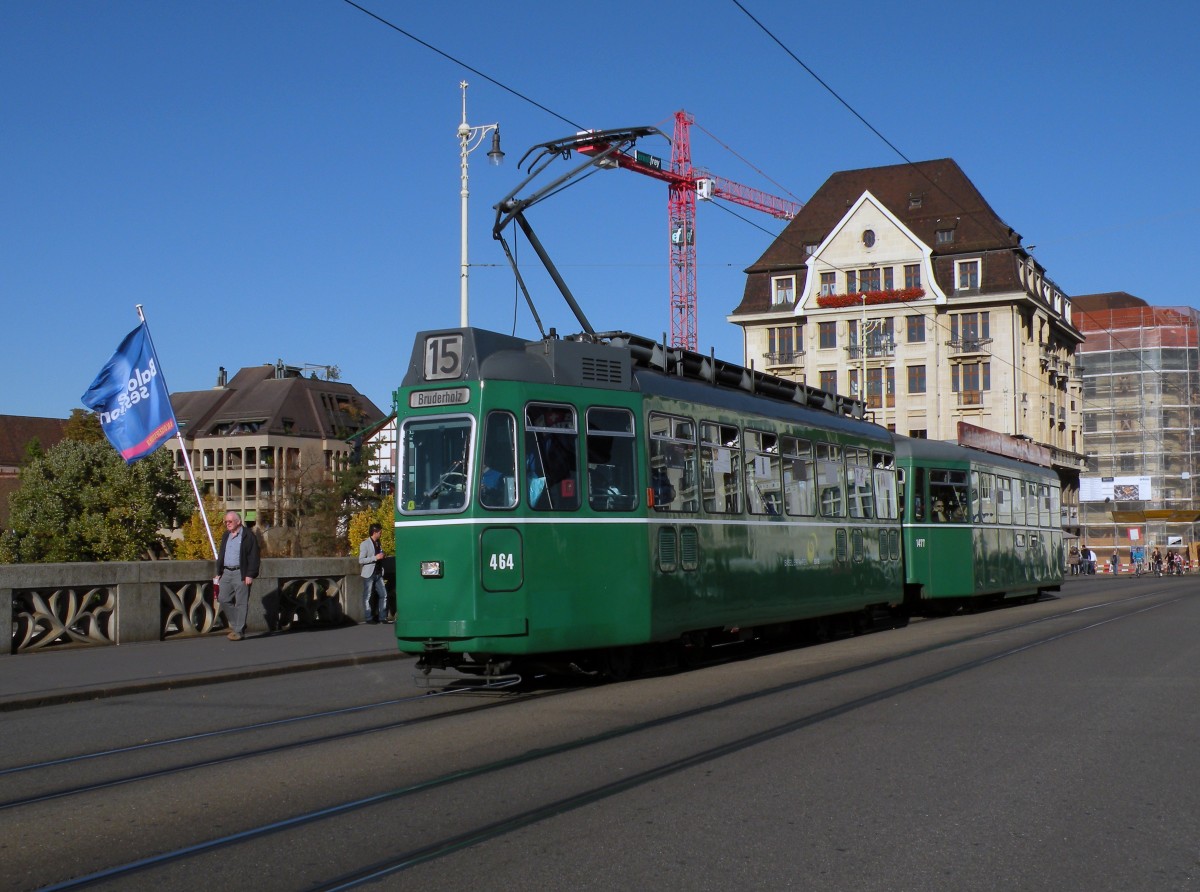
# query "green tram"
(588, 503)
(1002, 513)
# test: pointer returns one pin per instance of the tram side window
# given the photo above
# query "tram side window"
(829, 480)
(1044, 505)
(947, 496)
(1056, 518)
(611, 466)
(858, 482)
(918, 491)
(799, 477)
(1018, 494)
(673, 463)
(987, 499)
(498, 471)
(720, 467)
(435, 455)
(552, 457)
(763, 490)
(884, 472)
(1003, 500)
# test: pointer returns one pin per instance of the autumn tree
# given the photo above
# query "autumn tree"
(384, 515)
(195, 544)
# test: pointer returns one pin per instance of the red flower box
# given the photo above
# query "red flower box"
(895, 296)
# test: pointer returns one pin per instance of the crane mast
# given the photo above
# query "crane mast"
(685, 184)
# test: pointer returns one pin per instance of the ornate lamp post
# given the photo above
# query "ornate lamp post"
(864, 329)
(469, 139)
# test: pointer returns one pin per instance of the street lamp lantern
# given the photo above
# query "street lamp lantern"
(469, 139)
(864, 329)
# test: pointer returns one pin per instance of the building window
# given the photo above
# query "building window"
(967, 275)
(829, 381)
(916, 379)
(919, 433)
(889, 282)
(912, 275)
(868, 280)
(828, 284)
(916, 329)
(784, 344)
(827, 332)
(783, 290)
(970, 331)
(851, 281)
(971, 378)
(945, 236)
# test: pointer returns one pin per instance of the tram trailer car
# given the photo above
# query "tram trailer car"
(977, 526)
(572, 500)
(580, 503)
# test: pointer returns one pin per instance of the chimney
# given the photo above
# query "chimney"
(222, 376)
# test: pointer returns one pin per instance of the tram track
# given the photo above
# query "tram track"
(486, 830)
(198, 764)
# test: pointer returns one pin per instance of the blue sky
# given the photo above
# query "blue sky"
(279, 179)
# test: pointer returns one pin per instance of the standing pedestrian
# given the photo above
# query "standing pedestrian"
(1073, 560)
(237, 567)
(1116, 562)
(370, 559)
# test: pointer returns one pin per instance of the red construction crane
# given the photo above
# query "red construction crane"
(685, 184)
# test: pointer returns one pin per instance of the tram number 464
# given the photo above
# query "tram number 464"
(501, 562)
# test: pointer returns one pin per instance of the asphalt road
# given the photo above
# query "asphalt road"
(1044, 746)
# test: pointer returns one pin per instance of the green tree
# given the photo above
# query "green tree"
(80, 502)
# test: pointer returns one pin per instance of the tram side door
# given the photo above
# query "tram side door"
(918, 555)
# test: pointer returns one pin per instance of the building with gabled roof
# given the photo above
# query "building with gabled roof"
(255, 439)
(17, 434)
(902, 285)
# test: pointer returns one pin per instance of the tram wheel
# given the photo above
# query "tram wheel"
(620, 663)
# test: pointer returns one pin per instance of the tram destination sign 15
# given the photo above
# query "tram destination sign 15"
(450, 396)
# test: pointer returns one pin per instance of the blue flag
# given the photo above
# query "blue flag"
(131, 397)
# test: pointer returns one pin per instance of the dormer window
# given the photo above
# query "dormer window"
(783, 290)
(945, 236)
(966, 274)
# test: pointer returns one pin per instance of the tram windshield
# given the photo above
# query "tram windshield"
(435, 464)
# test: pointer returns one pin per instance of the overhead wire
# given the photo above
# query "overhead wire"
(988, 218)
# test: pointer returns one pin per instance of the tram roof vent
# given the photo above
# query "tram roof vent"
(586, 364)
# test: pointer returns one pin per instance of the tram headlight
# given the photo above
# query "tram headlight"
(431, 569)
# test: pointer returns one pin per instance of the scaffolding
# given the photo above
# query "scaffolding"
(1140, 413)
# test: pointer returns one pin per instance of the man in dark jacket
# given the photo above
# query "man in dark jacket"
(237, 567)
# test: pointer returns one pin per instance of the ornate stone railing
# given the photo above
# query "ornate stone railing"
(50, 606)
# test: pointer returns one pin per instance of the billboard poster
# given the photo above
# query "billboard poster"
(1115, 489)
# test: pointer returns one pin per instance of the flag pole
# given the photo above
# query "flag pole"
(187, 462)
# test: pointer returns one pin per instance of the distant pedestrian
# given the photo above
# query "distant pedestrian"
(1116, 562)
(237, 567)
(370, 559)
(1091, 562)
(1073, 560)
